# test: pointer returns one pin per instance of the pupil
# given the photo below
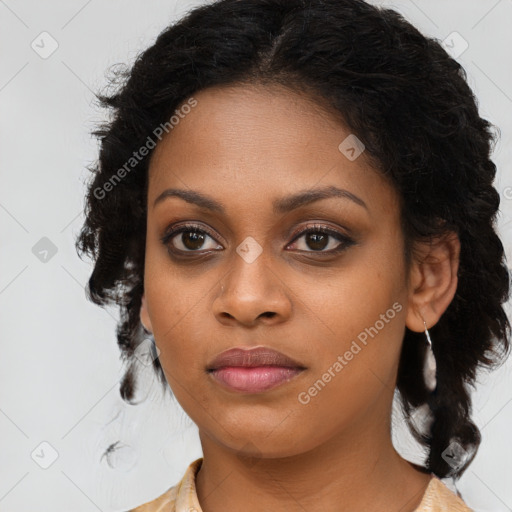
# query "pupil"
(317, 241)
(192, 240)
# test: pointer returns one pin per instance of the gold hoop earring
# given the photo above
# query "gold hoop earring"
(429, 365)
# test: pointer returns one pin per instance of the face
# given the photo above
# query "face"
(278, 239)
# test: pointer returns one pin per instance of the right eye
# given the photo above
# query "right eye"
(192, 239)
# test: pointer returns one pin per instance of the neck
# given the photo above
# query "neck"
(360, 470)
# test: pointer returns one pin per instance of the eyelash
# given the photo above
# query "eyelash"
(345, 241)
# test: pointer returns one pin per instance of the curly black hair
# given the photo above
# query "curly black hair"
(400, 93)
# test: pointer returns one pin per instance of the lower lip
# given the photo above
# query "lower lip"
(254, 379)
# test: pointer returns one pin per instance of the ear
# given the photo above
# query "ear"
(144, 315)
(433, 280)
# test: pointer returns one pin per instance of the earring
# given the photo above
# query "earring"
(429, 365)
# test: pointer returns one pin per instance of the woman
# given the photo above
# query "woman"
(294, 199)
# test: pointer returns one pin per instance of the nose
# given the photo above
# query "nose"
(252, 292)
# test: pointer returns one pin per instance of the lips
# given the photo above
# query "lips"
(255, 370)
(250, 358)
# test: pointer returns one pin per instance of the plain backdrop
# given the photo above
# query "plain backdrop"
(60, 408)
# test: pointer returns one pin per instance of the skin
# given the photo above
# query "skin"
(246, 146)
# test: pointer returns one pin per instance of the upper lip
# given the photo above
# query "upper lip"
(258, 356)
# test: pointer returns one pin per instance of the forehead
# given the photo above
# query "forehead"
(240, 118)
(258, 143)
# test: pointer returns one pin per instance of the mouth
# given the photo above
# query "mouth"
(253, 370)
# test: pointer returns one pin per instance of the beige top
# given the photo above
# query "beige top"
(182, 497)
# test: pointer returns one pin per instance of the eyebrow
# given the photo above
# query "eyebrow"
(280, 206)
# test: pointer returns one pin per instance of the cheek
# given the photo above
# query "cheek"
(355, 368)
(173, 303)
(364, 308)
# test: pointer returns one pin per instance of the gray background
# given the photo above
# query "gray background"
(59, 363)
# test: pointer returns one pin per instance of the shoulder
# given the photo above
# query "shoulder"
(439, 498)
(166, 502)
(181, 495)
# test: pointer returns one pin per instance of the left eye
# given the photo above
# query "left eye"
(317, 240)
